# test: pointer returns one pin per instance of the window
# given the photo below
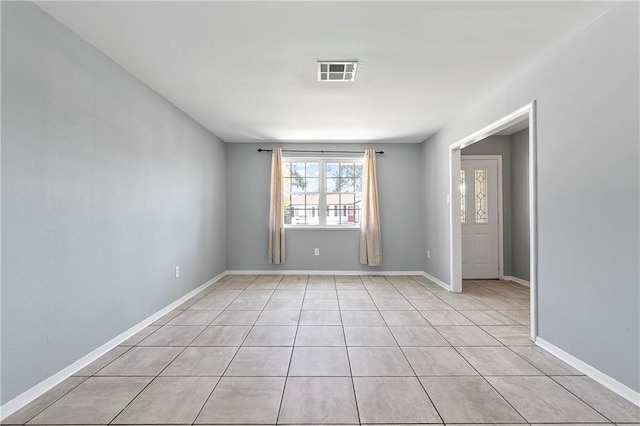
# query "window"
(481, 196)
(322, 192)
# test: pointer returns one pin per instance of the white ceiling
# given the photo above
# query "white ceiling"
(247, 70)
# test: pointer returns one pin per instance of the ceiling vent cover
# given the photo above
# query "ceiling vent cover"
(337, 70)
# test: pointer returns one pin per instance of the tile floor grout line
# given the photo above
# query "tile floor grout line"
(112, 361)
(53, 402)
(346, 349)
(493, 387)
(406, 290)
(132, 399)
(480, 374)
(488, 382)
(409, 363)
(195, 419)
(94, 374)
(161, 371)
(293, 347)
(572, 393)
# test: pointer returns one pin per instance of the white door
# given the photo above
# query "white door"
(479, 218)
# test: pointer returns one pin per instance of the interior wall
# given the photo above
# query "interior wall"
(586, 93)
(499, 145)
(248, 175)
(520, 241)
(106, 187)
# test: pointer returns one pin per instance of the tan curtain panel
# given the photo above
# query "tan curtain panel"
(370, 237)
(276, 217)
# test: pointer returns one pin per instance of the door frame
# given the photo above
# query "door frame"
(500, 210)
(526, 113)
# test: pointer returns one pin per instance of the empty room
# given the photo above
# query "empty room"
(320, 212)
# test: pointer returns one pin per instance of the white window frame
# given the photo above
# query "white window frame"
(322, 189)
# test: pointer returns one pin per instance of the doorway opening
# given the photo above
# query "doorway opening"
(481, 215)
(493, 211)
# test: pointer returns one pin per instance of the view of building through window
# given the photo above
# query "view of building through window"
(322, 192)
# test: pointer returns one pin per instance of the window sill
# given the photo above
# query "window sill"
(318, 227)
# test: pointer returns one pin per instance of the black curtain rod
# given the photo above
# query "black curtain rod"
(322, 152)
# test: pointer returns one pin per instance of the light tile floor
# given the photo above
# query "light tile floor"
(333, 350)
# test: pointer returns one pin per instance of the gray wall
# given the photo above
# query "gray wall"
(106, 187)
(520, 249)
(248, 175)
(499, 145)
(588, 183)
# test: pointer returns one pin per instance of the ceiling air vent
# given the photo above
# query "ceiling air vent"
(337, 70)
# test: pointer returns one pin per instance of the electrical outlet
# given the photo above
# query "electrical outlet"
(316, 252)
(177, 271)
(428, 254)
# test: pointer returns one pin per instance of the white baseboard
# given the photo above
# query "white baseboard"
(307, 272)
(597, 375)
(436, 280)
(31, 394)
(516, 280)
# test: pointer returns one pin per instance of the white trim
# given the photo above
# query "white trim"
(527, 112)
(437, 281)
(533, 218)
(495, 127)
(516, 280)
(455, 228)
(308, 272)
(34, 392)
(322, 227)
(500, 206)
(597, 375)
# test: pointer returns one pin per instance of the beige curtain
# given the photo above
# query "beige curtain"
(276, 217)
(370, 237)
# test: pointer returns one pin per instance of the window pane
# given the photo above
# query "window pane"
(312, 169)
(297, 184)
(313, 199)
(336, 68)
(286, 184)
(323, 67)
(286, 201)
(347, 199)
(297, 169)
(297, 198)
(333, 199)
(333, 184)
(481, 196)
(335, 76)
(346, 185)
(354, 218)
(333, 169)
(332, 215)
(343, 214)
(358, 183)
(313, 218)
(346, 169)
(312, 184)
(286, 169)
